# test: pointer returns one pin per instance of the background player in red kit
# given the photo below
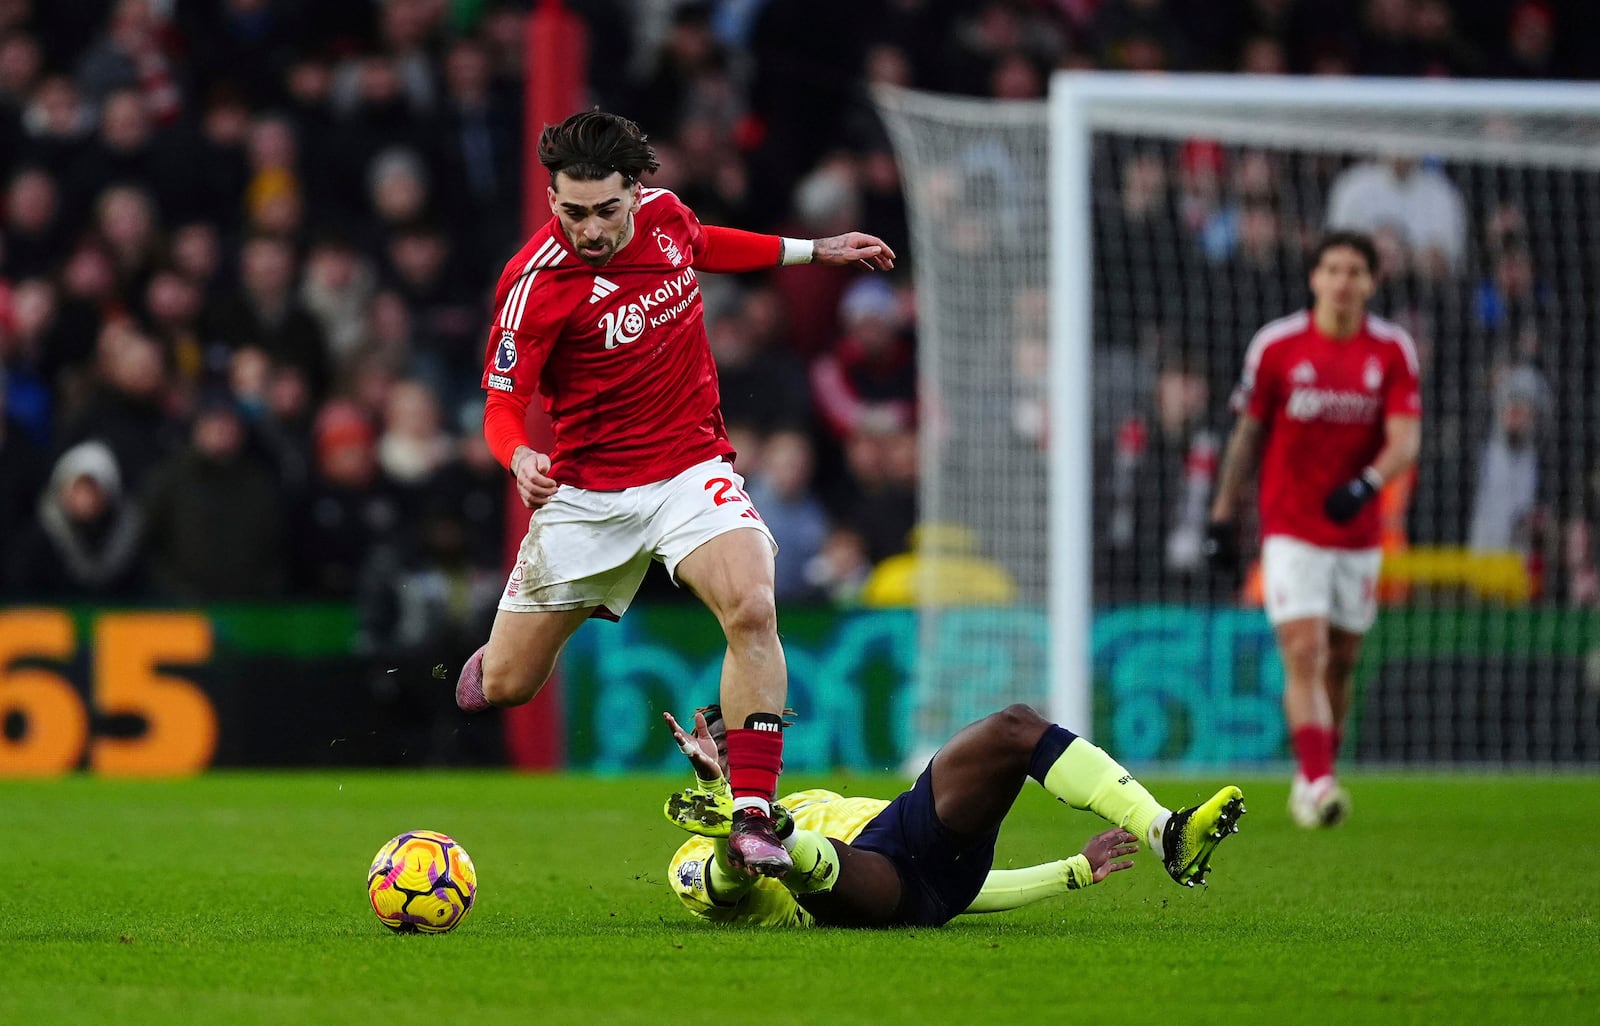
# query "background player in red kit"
(1329, 401)
(600, 315)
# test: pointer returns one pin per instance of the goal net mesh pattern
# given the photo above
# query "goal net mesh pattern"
(1488, 226)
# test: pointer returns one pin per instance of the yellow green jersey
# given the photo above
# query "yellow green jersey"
(768, 902)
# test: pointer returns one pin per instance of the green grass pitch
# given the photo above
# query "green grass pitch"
(238, 899)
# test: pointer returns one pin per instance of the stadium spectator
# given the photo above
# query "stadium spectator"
(474, 485)
(1159, 480)
(350, 508)
(56, 127)
(133, 55)
(480, 148)
(781, 490)
(274, 404)
(1509, 486)
(172, 308)
(215, 517)
(840, 568)
(1410, 197)
(127, 408)
(1511, 299)
(1530, 43)
(34, 231)
(927, 856)
(337, 289)
(129, 227)
(85, 544)
(1329, 403)
(23, 470)
(196, 252)
(763, 386)
(29, 391)
(879, 500)
(266, 314)
(413, 444)
(867, 380)
(425, 271)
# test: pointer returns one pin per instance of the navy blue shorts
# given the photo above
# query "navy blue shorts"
(940, 871)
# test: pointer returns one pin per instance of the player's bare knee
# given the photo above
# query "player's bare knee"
(505, 684)
(1304, 652)
(752, 618)
(1018, 726)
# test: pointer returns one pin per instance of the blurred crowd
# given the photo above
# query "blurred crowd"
(246, 250)
(1490, 269)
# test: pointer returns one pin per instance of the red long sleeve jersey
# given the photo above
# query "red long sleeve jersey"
(618, 354)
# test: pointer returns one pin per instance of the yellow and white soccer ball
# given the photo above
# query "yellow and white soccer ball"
(422, 882)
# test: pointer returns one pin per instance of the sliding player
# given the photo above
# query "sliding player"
(926, 856)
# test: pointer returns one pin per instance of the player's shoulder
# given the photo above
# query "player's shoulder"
(530, 271)
(660, 201)
(1275, 332)
(663, 208)
(1387, 333)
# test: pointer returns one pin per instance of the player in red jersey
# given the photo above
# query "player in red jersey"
(1329, 403)
(600, 315)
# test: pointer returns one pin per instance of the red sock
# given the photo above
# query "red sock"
(755, 757)
(1313, 749)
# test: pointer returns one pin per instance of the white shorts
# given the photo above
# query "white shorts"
(1303, 580)
(591, 548)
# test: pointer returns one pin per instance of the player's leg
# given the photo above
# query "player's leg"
(1354, 608)
(978, 773)
(1298, 581)
(733, 574)
(583, 555)
(521, 653)
(866, 890)
(1344, 649)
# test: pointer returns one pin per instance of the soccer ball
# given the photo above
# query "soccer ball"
(422, 881)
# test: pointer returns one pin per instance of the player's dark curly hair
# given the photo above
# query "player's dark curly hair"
(1361, 242)
(593, 145)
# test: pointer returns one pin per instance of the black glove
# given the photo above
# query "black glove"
(1345, 501)
(1222, 548)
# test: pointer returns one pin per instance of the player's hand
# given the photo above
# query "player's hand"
(1222, 548)
(535, 486)
(854, 247)
(699, 747)
(1108, 852)
(1345, 501)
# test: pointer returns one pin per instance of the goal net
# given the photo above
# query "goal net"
(1089, 271)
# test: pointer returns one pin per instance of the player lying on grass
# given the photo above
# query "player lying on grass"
(926, 856)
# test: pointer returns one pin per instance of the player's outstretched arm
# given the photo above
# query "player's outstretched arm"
(854, 247)
(1006, 889)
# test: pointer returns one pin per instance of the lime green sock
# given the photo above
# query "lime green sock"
(816, 863)
(1085, 777)
(727, 885)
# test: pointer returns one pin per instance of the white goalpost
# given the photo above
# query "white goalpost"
(1088, 270)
